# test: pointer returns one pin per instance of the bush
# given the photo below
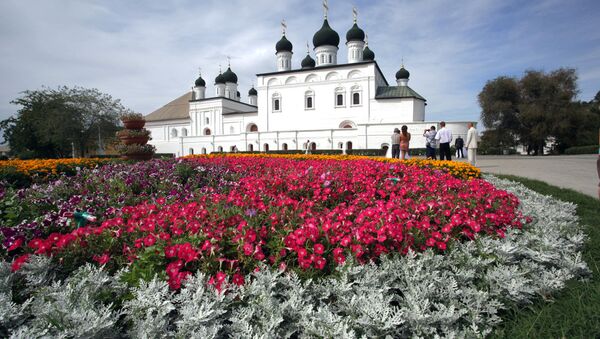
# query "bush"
(14, 178)
(591, 149)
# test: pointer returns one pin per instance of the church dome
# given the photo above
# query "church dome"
(252, 91)
(219, 79)
(355, 34)
(308, 62)
(283, 45)
(229, 76)
(368, 54)
(402, 74)
(200, 82)
(326, 36)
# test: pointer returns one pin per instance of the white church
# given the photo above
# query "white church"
(323, 104)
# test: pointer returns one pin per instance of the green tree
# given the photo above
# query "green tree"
(535, 109)
(50, 122)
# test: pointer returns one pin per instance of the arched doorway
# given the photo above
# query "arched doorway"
(284, 146)
(251, 128)
(207, 131)
(220, 149)
(313, 146)
(251, 147)
(203, 150)
(265, 147)
(191, 151)
(349, 145)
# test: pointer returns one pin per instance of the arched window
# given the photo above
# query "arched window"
(207, 120)
(231, 130)
(330, 60)
(252, 128)
(284, 146)
(339, 97)
(250, 147)
(309, 100)
(207, 131)
(347, 124)
(340, 145)
(220, 149)
(313, 146)
(356, 96)
(233, 148)
(174, 133)
(349, 145)
(184, 132)
(191, 151)
(356, 99)
(322, 58)
(203, 150)
(265, 147)
(276, 102)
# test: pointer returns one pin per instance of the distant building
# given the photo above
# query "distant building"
(335, 106)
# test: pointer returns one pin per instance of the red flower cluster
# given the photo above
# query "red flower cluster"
(309, 215)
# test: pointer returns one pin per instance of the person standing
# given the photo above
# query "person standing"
(472, 144)
(430, 142)
(459, 144)
(396, 144)
(444, 137)
(404, 142)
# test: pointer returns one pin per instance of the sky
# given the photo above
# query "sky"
(147, 53)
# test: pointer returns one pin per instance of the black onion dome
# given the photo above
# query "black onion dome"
(283, 45)
(326, 36)
(402, 74)
(200, 82)
(219, 79)
(229, 76)
(355, 34)
(368, 54)
(308, 62)
(252, 91)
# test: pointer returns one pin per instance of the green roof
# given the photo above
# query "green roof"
(397, 92)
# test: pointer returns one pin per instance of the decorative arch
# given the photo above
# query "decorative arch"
(203, 150)
(273, 82)
(174, 133)
(354, 74)
(206, 131)
(265, 147)
(332, 76)
(184, 132)
(311, 78)
(284, 146)
(291, 80)
(251, 147)
(347, 124)
(251, 127)
(349, 145)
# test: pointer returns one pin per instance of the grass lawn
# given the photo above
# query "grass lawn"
(575, 312)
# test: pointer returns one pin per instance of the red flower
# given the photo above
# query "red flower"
(16, 244)
(149, 240)
(19, 261)
(103, 259)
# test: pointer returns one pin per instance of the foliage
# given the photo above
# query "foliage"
(50, 122)
(535, 109)
(133, 133)
(131, 116)
(591, 149)
(136, 149)
(461, 293)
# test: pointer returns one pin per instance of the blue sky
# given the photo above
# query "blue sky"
(147, 52)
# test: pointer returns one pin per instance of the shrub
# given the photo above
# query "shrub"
(135, 149)
(591, 149)
(133, 133)
(131, 116)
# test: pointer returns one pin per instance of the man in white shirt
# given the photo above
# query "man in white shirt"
(444, 136)
(472, 144)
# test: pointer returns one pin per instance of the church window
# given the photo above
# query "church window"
(340, 100)
(174, 133)
(276, 102)
(265, 147)
(207, 131)
(252, 128)
(184, 132)
(203, 150)
(339, 97)
(322, 58)
(207, 120)
(330, 58)
(309, 100)
(250, 147)
(220, 149)
(284, 146)
(356, 98)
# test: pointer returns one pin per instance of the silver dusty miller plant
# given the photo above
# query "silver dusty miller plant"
(458, 294)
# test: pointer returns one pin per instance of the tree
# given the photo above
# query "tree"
(50, 122)
(538, 108)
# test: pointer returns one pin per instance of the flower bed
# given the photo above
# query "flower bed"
(46, 167)
(460, 293)
(308, 216)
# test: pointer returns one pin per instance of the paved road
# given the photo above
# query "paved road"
(577, 172)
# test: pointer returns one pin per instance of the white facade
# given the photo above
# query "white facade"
(333, 106)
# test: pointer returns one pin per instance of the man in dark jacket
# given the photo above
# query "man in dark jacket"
(459, 144)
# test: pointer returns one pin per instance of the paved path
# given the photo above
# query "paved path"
(577, 172)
